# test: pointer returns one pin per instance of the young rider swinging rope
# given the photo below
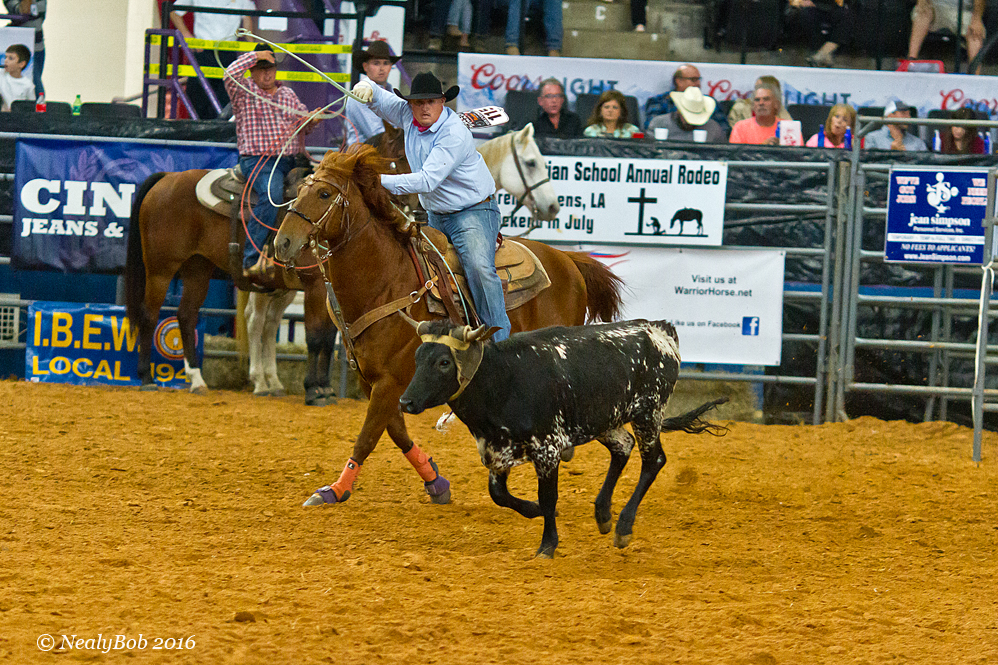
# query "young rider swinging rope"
(452, 181)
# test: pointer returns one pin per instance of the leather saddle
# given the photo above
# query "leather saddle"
(220, 189)
(521, 272)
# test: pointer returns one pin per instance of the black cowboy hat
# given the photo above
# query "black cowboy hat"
(428, 86)
(263, 64)
(377, 49)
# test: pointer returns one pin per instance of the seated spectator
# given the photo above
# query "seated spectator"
(693, 111)
(553, 119)
(933, 15)
(683, 78)
(962, 140)
(13, 85)
(552, 20)
(810, 17)
(760, 129)
(609, 118)
(742, 108)
(840, 118)
(895, 137)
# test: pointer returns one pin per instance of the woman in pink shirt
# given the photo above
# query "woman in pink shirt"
(840, 118)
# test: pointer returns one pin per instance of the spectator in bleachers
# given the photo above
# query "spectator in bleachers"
(693, 111)
(376, 63)
(13, 86)
(840, 118)
(687, 75)
(609, 118)
(932, 15)
(459, 23)
(742, 108)
(36, 10)
(962, 140)
(639, 14)
(760, 129)
(895, 137)
(553, 119)
(551, 10)
(810, 16)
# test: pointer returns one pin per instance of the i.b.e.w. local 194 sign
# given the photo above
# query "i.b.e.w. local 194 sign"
(632, 201)
(89, 344)
(73, 199)
(935, 215)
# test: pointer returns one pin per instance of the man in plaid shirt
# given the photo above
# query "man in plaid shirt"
(265, 119)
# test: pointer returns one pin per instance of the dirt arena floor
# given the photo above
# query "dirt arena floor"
(171, 515)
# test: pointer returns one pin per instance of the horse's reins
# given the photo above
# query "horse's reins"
(523, 176)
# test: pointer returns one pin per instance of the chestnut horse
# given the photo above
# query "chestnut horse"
(171, 233)
(343, 209)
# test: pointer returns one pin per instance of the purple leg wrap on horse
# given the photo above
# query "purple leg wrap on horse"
(437, 486)
(329, 495)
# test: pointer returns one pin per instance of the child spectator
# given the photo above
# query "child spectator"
(13, 86)
(609, 118)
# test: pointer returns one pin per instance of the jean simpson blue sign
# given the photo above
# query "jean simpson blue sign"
(73, 199)
(96, 344)
(934, 215)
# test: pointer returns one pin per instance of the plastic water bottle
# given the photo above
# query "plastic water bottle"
(848, 139)
(987, 142)
(937, 142)
(40, 104)
(777, 129)
(77, 104)
(821, 136)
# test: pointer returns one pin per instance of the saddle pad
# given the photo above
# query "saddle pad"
(219, 188)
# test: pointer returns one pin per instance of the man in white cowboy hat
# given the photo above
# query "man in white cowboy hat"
(376, 64)
(692, 114)
(452, 180)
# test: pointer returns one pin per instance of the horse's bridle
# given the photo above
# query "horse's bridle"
(340, 200)
(523, 176)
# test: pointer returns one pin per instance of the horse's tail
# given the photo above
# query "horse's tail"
(603, 299)
(135, 267)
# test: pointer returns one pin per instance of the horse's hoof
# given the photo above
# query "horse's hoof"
(200, 390)
(280, 392)
(438, 488)
(261, 393)
(325, 494)
(604, 527)
(545, 553)
(314, 397)
(148, 387)
(621, 541)
(567, 454)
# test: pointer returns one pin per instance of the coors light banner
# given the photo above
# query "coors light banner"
(485, 78)
(73, 199)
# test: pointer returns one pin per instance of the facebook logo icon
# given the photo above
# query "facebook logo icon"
(750, 325)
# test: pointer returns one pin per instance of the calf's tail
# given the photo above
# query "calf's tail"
(692, 422)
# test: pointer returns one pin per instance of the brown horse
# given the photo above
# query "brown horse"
(171, 233)
(345, 211)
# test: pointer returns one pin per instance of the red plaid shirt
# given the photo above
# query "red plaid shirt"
(261, 128)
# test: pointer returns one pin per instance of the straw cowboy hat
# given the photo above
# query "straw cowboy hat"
(428, 86)
(378, 49)
(695, 108)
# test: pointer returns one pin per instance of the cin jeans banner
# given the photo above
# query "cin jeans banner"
(73, 199)
(86, 344)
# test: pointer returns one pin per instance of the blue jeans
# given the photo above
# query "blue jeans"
(551, 9)
(36, 72)
(473, 233)
(263, 210)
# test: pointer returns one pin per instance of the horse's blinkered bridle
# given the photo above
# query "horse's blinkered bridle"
(523, 176)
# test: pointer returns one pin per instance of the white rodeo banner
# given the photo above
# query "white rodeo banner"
(628, 201)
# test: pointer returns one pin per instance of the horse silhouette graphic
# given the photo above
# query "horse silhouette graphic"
(684, 215)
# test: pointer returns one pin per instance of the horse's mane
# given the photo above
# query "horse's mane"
(361, 164)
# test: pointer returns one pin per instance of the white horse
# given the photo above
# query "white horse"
(518, 166)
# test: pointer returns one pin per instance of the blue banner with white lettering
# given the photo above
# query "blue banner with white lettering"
(73, 199)
(935, 215)
(87, 344)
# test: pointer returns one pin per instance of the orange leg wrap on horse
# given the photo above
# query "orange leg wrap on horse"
(345, 483)
(421, 463)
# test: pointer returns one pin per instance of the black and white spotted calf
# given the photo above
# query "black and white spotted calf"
(539, 393)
